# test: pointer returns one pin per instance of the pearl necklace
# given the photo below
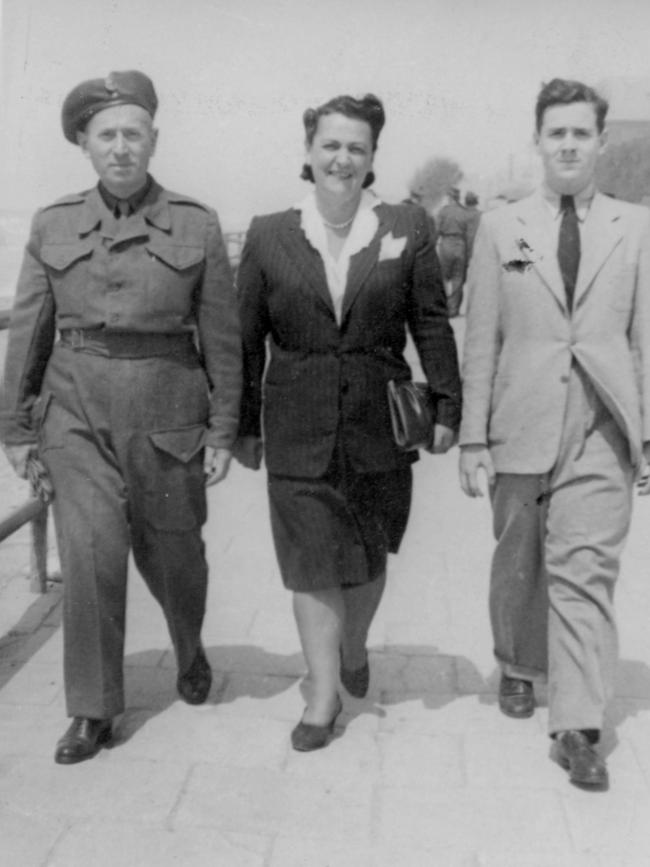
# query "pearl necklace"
(338, 225)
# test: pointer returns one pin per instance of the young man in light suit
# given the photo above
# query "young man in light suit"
(556, 396)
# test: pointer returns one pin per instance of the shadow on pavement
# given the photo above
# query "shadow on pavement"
(30, 633)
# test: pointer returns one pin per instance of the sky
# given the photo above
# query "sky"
(458, 78)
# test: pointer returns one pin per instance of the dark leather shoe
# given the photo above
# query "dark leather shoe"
(516, 697)
(194, 686)
(307, 736)
(576, 754)
(83, 740)
(357, 680)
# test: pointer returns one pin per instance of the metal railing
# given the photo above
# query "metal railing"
(33, 511)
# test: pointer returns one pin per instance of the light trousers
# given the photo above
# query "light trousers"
(559, 539)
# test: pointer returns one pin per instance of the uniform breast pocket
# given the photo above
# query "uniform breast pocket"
(67, 262)
(176, 260)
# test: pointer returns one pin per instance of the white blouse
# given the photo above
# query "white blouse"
(362, 231)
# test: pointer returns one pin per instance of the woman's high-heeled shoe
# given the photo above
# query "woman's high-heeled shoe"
(357, 680)
(307, 736)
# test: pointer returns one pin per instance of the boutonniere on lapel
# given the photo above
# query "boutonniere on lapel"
(391, 247)
(523, 263)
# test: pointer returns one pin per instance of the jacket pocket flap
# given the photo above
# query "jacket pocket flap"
(182, 443)
(61, 256)
(177, 256)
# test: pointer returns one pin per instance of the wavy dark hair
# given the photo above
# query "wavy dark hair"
(563, 91)
(369, 109)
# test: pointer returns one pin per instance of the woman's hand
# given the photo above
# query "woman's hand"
(215, 464)
(248, 451)
(443, 439)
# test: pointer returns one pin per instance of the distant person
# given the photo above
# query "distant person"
(473, 216)
(331, 287)
(556, 389)
(414, 198)
(123, 374)
(452, 249)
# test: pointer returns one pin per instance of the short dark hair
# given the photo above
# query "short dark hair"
(562, 91)
(369, 109)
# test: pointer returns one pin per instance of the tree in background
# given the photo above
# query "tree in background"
(432, 181)
(623, 170)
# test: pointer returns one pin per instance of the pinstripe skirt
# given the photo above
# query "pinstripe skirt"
(337, 530)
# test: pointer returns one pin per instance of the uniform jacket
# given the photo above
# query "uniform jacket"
(521, 339)
(164, 269)
(327, 381)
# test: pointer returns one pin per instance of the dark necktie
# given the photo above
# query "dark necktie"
(568, 249)
(122, 209)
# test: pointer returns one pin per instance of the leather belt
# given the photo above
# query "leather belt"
(126, 344)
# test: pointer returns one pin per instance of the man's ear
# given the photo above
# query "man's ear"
(154, 139)
(604, 139)
(82, 141)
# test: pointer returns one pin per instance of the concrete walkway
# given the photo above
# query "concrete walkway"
(425, 772)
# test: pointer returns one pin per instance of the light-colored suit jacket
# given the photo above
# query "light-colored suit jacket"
(521, 339)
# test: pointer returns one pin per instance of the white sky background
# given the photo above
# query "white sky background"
(458, 78)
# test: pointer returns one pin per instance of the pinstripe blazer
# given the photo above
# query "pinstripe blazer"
(324, 380)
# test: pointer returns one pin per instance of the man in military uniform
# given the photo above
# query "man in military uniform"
(123, 375)
(452, 249)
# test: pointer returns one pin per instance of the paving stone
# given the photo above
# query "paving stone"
(106, 786)
(422, 761)
(190, 735)
(351, 756)
(106, 845)
(34, 683)
(296, 851)
(508, 760)
(473, 819)
(239, 799)
(614, 823)
(27, 837)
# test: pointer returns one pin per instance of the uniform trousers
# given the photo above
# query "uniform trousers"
(122, 439)
(452, 253)
(559, 539)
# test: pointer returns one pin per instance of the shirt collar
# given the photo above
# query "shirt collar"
(582, 200)
(134, 201)
(362, 231)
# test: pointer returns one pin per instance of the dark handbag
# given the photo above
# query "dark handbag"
(412, 414)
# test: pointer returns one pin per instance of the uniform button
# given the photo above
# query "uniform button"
(119, 284)
(564, 378)
(345, 387)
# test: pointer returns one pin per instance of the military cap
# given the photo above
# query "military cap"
(118, 88)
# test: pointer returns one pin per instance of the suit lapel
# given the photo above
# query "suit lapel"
(602, 232)
(362, 263)
(539, 234)
(305, 258)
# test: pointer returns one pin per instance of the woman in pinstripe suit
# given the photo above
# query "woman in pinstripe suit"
(331, 286)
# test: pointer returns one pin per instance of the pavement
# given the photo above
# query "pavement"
(424, 772)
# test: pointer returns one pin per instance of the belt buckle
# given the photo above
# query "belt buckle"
(78, 341)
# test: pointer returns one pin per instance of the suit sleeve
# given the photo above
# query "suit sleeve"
(254, 315)
(640, 329)
(429, 325)
(482, 337)
(219, 339)
(31, 337)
